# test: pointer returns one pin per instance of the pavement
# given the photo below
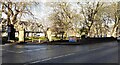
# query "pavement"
(35, 54)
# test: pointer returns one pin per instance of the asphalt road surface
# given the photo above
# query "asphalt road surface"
(90, 53)
(0, 47)
(0, 40)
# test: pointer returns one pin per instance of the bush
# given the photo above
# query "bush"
(4, 39)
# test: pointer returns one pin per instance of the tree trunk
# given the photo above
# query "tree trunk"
(115, 26)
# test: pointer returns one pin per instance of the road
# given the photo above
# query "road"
(90, 53)
(0, 47)
(0, 39)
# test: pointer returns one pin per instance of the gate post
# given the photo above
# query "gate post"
(22, 35)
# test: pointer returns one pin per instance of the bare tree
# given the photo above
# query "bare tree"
(116, 15)
(62, 17)
(89, 11)
(14, 11)
(112, 15)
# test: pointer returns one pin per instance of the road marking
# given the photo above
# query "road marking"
(25, 50)
(20, 52)
(46, 59)
(35, 49)
(93, 49)
(2, 49)
(35, 62)
(46, 48)
(40, 48)
(58, 56)
(65, 55)
(62, 56)
(42, 60)
(52, 58)
(10, 51)
(14, 51)
(100, 48)
(5, 45)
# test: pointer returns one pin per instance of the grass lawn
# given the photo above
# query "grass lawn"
(4, 39)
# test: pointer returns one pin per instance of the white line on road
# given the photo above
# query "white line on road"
(5, 45)
(100, 48)
(60, 56)
(10, 51)
(53, 58)
(35, 62)
(25, 50)
(94, 49)
(14, 51)
(64, 55)
(1, 49)
(42, 60)
(20, 52)
(36, 49)
(46, 59)
(41, 48)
